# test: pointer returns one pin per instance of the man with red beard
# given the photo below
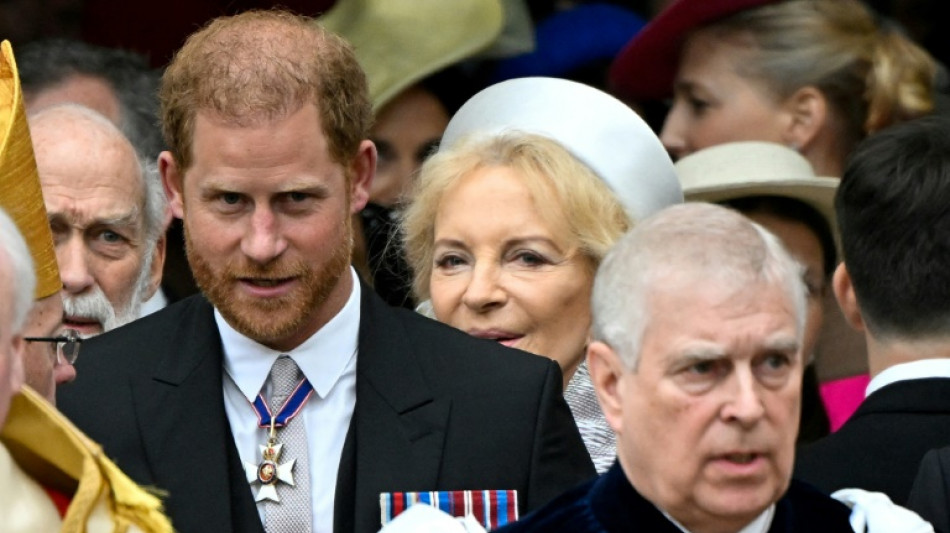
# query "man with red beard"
(288, 397)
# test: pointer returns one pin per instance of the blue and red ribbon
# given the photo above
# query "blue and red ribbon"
(288, 411)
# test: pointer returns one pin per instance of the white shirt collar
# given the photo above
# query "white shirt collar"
(322, 358)
(761, 523)
(925, 368)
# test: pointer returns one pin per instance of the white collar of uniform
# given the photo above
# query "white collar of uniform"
(925, 368)
(322, 358)
(761, 523)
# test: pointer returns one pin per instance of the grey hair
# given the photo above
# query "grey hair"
(14, 247)
(156, 203)
(703, 241)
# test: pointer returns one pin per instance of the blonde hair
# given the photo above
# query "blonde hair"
(565, 191)
(262, 65)
(872, 77)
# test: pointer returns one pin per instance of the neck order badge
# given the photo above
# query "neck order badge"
(269, 472)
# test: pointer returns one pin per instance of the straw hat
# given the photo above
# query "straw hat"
(596, 128)
(753, 168)
(20, 193)
(400, 42)
(646, 67)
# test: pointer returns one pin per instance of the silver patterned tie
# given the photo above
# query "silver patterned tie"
(292, 514)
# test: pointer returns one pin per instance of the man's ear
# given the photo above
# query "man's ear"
(172, 181)
(362, 169)
(17, 371)
(807, 112)
(606, 372)
(158, 263)
(847, 301)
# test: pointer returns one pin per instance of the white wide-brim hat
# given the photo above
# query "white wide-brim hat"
(754, 168)
(596, 128)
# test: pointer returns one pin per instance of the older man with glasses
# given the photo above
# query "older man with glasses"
(65, 347)
(54, 478)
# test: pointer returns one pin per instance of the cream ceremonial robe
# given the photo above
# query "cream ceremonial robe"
(40, 448)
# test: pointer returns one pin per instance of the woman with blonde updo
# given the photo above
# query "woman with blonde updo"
(568, 196)
(815, 75)
(534, 180)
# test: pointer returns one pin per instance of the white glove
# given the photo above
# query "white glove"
(874, 512)
(423, 518)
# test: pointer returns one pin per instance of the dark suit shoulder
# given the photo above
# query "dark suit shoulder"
(145, 348)
(140, 341)
(930, 494)
(611, 505)
(569, 512)
(805, 509)
(879, 448)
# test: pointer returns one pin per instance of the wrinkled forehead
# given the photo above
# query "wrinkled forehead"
(72, 135)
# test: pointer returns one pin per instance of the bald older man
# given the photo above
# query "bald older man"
(107, 213)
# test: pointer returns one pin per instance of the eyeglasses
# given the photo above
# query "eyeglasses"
(67, 344)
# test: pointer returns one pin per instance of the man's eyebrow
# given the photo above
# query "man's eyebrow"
(697, 354)
(319, 190)
(124, 219)
(782, 343)
(127, 219)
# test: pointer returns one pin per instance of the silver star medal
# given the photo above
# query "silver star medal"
(269, 472)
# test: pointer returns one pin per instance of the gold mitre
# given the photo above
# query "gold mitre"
(20, 194)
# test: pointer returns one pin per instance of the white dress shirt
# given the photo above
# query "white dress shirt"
(925, 368)
(328, 360)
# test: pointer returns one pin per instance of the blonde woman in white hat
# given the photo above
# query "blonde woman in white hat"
(777, 188)
(409, 50)
(534, 180)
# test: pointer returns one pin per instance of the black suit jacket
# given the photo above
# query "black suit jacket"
(880, 447)
(930, 494)
(612, 505)
(435, 410)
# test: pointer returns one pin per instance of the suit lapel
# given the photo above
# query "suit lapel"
(185, 430)
(399, 425)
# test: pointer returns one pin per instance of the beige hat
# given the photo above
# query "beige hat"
(753, 168)
(596, 128)
(400, 42)
(20, 193)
